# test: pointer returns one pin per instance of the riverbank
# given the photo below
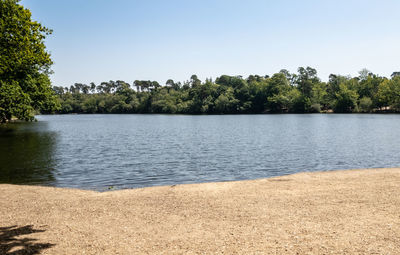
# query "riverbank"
(338, 212)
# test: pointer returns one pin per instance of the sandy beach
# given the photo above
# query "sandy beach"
(337, 212)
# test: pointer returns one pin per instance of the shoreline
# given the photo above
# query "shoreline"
(107, 189)
(232, 114)
(341, 211)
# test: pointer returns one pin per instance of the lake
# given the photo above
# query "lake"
(128, 151)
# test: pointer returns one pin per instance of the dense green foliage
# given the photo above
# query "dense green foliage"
(24, 64)
(303, 92)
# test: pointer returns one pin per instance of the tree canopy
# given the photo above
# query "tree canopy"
(24, 64)
(301, 92)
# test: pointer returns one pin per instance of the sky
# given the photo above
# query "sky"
(102, 40)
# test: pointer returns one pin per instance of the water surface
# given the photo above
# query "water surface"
(126, 151)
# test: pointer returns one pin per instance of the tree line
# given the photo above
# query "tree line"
(283, 92)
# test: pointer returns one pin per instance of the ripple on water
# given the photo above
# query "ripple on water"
(125, 151)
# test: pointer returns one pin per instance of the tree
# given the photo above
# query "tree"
(319, 95)
(235, 82)
(346, 99)
(155, 85)
(138, 85)
(363, 74)
(368, 85)
(290, 77)
(395, 74)
(385, 94)
(24, 64)
(396, 93)
(59, 90)
(170, 83)
(365, 104)
(306, 79)
(226, 102)
(388, 94)
(92, 87)
(277, 91)
(194, 81)
(333, 87)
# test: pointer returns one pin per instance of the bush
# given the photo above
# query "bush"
(315, 108)
(365, 104)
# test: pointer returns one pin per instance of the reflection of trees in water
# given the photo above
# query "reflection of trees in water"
(26, 153)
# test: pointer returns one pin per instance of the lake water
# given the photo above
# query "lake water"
(127, 151)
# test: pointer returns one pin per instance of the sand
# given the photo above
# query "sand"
(338, 212)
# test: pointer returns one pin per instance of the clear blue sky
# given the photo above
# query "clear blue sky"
(101, 40)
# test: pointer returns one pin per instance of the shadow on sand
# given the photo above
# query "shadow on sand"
(10, 244)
